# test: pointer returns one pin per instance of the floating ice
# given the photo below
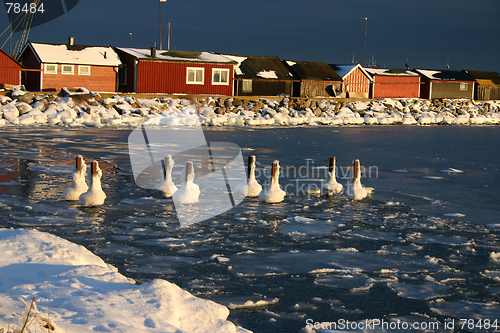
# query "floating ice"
(243, 302)
(420, 291)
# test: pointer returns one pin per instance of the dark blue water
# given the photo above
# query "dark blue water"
(420, 249)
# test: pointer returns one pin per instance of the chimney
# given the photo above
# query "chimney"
(71, 41)
(153, 51)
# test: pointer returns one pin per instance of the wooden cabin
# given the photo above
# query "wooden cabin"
(10, 70)
(445, 84)
(487, 86)
(316, 79)
(69, 65)
(174, 72)
(261, 76)
(355, 80)
(394, 83)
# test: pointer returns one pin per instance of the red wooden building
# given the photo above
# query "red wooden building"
(174, 72)
(355, 80)
(394, 83)
(70, 65)
(10, 70)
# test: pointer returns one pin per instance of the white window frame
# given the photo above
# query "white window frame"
(245, 84)
(80, 69)
(202, 69)
(66, 73)
(221, 70)
(464, 86)
(46, 71)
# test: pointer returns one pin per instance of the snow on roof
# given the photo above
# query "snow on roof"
(176, 55)
(389, 72)
(429, 73)
(239, 60)
(268, 74)
(78, 55)
(290, 63)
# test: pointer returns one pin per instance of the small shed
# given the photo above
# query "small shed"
(394, 83)
(317, 79)
(174, 72)
(69, 65)
(261, 76)
(10, 70)
(355, 80)
(487, 86)
(445, 84)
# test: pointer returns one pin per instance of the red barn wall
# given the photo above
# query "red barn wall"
(357, 84)
(170, 78)
(10, 71)
(101, 79)
(396, 86)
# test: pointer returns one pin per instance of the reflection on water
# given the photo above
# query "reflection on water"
(422, 245)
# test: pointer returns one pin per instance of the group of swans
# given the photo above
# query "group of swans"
(189, 192)
(87, 196)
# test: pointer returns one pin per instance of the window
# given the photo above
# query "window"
(83, 70)
(247, 86)
(68, 69)
(195, 75)
(220, 77)
(122, 75)
(464, 86)
(50, 69)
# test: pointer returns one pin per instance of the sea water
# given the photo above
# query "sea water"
(423, 248)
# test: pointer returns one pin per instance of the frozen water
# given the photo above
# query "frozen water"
(420, 291)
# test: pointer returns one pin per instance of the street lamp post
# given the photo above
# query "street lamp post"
(366, 19)
(161, 38)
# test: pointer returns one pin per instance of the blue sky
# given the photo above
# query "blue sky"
(426, 32)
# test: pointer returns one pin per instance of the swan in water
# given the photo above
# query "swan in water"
(189, 192)
(250, 188)
(355, 190)
(167, 187)
(273, 193)
(79, 185)
(331, 185)
(95, 196)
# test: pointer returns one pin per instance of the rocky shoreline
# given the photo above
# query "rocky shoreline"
(20, 108)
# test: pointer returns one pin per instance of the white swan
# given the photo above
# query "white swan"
(273, 193)
(95, 196)
(355, 190)
(167, 187)
(79, 185)
(189, 192)
(250, 188)
(331, 185)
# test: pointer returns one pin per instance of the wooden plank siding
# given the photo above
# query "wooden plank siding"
(311, 88)
(357, 84)
(10, 70)
(171, 78)
(101, 79)
(396, 86)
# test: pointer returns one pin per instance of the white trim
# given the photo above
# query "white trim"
(221, 70)
(47, 72)
(72, 69)
(202, 82)
(80, 69)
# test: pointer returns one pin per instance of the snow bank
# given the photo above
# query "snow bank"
(81, 293)
(127, 111)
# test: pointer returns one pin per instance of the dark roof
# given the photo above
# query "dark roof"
(308, 70)
(480, 75)
(445, 75)
(253, 65)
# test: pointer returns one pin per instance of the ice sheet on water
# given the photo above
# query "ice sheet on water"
(257, 264)
(48, 221)
(420, 291)
(346, 281)
(305, 228)
(166, 261)
(175, 242)
(438, 239)
(407, 250)
(243, 302)
(51, 168)
(467, 310)
(51, 209)
(114, 249)
(376, 235)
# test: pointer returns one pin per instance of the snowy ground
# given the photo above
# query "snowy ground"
(122, 111)
(49, 268)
